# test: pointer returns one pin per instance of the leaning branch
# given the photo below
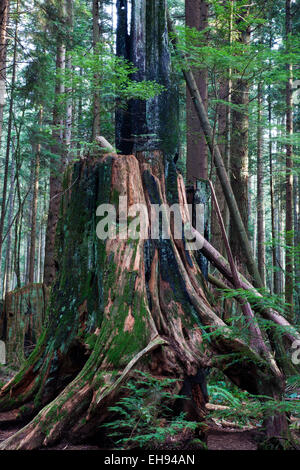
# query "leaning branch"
(218, 160)
(256, 337)
(223, 266)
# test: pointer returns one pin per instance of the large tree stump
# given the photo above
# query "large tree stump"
(119, 305)
(22, 321)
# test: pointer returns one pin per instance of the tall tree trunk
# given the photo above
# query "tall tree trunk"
(196, 16)
(123, 121)
(4, 12)
(69, 88)
(96, 43)
(289, 258)
(38, 262)
(297, 240)
(224, 118)
(79, 122)
(280, 230)
(35, 203)
(261, 254)
(9, 130)
(144, 123)
(43, 232)
(56, 167)
(276, 288)
(29, 214)
(219, 164)
(239, 149)
(18, 231)
(11, 200)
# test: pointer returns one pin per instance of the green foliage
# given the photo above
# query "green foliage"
(252, 62)
(246, 409)
(107, 74)
(144, 416)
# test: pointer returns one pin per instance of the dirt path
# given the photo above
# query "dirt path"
(231, 440)
(7, 431)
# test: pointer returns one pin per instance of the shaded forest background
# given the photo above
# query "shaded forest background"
(61, 86)
(72, 71)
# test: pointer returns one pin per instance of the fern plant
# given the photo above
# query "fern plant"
(144, 415)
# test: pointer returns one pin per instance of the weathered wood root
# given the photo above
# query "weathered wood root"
(119, 304)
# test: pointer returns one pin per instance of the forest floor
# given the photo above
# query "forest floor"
(218, 439)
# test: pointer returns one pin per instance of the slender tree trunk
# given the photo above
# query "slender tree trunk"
(239, 151)
(69, 88)
(261, 254)
(4, 12)
(56, 170)
(220, 167)
(96, 44)
(224, 118)
(43, 234)
(79, 122)
(9, 130)
(38, 262)
(17, 241)
(253, 186)
(280, 251)
(28, 215)
(274, 211)
(297, 241)
(223, 140)
(196, 16)
(34, 204)
(289, 258)
(9, 220)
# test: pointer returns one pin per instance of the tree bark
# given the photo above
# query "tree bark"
(96, 42)
(56, 167)
(261, 253)
(9, 129)
(11, 200)
(125, 303)
(220, 168)
(276, 280)
(223, 142)
(289, 222)
(4, 12)
(145, 125)
(239, 149)
(147, 290)
(34, 204)
(196, 16)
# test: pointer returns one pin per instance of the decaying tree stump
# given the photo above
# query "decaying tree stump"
(118, 305)
(122, 304)
(22, 320)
